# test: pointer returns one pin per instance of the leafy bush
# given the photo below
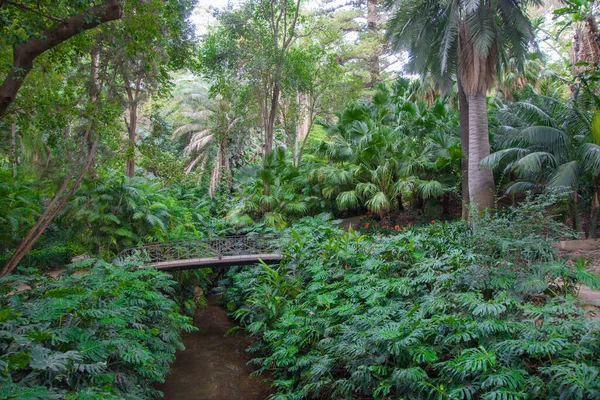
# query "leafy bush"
(446, 311)
(273, 193)
(106, 333)
(119, 212)
(191, 287)
(46, 259)
(19, 207)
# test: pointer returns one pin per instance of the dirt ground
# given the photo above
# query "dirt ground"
(588, 298)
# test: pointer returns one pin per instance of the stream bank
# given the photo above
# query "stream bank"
(213, 366)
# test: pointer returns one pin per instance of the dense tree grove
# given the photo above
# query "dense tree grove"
(459, 140)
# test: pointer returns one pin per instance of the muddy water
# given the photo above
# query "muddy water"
(213, 366)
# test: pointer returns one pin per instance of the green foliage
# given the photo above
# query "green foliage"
(191, 288)
(213, 136)
(117, 212)
(273, 192)
(159, 155)
(544, 142)
(390, 147)
(448, 310)
(47, 258)
(107, 332)
(19, 206)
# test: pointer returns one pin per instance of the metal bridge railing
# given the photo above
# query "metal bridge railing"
(205, 248)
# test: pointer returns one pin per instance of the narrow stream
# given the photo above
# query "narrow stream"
(213, 366)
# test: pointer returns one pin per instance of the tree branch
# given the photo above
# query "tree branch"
(26, 52)
(28, 9)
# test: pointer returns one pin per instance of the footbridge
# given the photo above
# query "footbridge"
(222, 251)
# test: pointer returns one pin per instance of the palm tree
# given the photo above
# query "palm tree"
(121, 212)
(472, 40)
(381, 150)
(546, 142)
(209, 126)
(372, 182)
(283, 200)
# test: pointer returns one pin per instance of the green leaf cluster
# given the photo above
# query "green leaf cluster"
(108, 332)
(19, 207)
(446, 311)
(389, 147)
(108, 215)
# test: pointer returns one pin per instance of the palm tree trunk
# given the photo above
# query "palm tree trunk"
(446, 204)
(400, 203)
(386, 219)
(463, 108)
(481, 180)
(130, 167)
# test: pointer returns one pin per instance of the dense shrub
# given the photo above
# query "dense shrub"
(19, 208)
(106, 333)
(446, 311)
(117, 212)
(48, 258)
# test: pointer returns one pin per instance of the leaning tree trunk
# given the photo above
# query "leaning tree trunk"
(481, 180)
(70, 184)
(463, 107)
(57, 204)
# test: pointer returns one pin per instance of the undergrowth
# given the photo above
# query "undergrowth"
(107, 333)
(446, 311)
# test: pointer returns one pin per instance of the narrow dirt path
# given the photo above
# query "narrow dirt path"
(213, 366)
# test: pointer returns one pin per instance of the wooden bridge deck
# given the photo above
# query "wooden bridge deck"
(215, 262)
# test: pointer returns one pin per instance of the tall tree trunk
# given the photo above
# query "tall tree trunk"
(26, 52)
(463, 107)
(14, 152)
(94, 93)
(308, 119)
(373, 28)
(481, 180)
(133, 97)
(132, 127)
(270, 123)
(301, 126)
